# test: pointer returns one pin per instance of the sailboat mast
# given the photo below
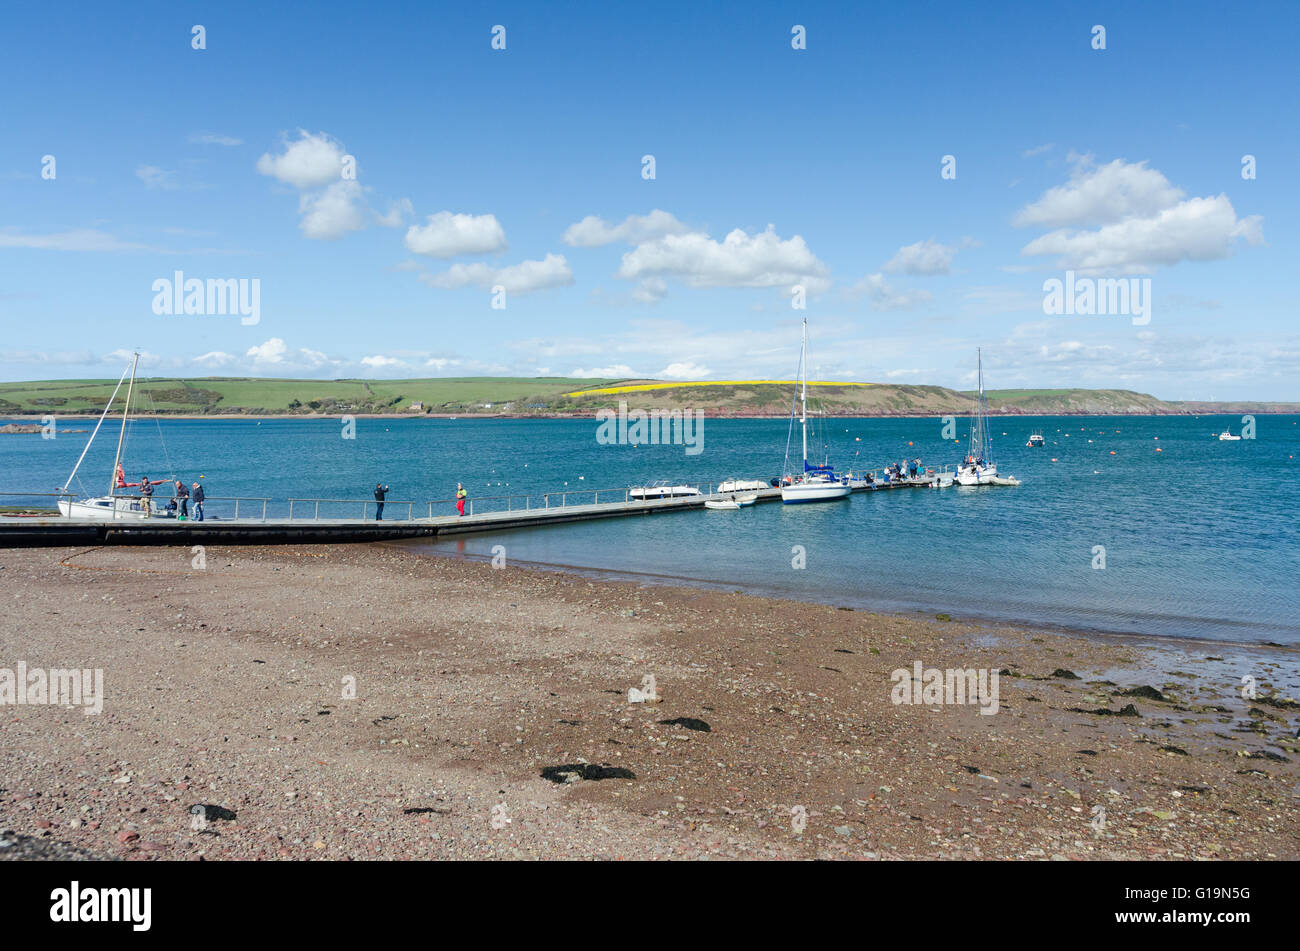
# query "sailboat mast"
(803, 410)
(126, 410)
(985, 445)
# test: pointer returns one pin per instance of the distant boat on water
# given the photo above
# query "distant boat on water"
(1226, 436)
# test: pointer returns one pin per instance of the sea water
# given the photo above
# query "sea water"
(1200, 539)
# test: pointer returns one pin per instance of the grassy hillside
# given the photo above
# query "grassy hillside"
(251, 396)
(491, 396)
(772, 398)
(1074, 402)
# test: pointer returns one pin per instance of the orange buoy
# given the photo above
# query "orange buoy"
(1053, 460)
(1112, 452)
(1158, 449)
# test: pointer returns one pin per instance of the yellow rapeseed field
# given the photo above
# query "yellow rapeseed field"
(639, 387)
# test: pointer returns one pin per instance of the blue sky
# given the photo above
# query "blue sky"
(522, 168)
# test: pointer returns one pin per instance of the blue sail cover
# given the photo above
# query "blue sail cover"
(826, 470)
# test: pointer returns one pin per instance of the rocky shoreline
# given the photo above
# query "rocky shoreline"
(358, 702)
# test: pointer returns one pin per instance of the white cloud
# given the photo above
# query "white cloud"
(619, 371)
(310, 162)
(522, 278)
(275, 352)
(882, 295)
(651, 290)
(272, 351)
(332, 213)
(398, 212)
(1037, 150)
(684, 371)
(215, 358)
(50, 357)
(925, 257)
(1101, 195)
(1199, 229)
(211, 138)
(84, 239)
(449, 235)
(379, 361)
(155, 177)
(330, 204)
(122, 355)
(1141, 220)
(739, 260)
(594, 232)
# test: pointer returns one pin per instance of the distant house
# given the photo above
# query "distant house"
(417, 407)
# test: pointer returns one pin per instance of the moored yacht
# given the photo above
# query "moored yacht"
(978, 467)
(814, 483)
(111, 506)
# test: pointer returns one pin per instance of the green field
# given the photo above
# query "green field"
(559, 396)
(252, 396)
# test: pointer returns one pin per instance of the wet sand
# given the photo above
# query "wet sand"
(224, 688)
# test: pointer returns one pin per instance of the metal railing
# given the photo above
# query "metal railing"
(254, 508)
(37, 495)
(364, 503)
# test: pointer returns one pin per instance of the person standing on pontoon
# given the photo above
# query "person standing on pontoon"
(146, 494)
(461, 495)
(145, 486)
(380, 491)
(182, 500)
(198, 502)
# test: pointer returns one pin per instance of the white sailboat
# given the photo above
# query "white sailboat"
(111, 506)
(815, 483)
(978, 467)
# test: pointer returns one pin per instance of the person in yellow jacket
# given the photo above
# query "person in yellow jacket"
(461, 495)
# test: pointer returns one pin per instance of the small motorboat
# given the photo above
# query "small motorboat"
(741, 485)
(661, 490)
(735, 502)
(1036, 440)
(1226, 436)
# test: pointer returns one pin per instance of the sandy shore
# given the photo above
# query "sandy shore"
(224, 689)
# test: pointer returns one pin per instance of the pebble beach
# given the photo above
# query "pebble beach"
(366, 702)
